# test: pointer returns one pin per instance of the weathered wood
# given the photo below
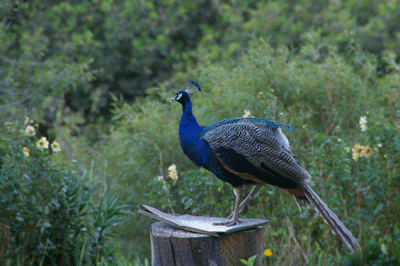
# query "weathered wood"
(172, 246)
(199, 224)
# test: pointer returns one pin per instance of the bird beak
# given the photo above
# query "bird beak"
(173, 99)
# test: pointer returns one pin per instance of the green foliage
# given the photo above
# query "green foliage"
(371, 23)
(31, 75)
(250, 261)
(56, 54)
(48, 216)
(85, 50)
(374, 255)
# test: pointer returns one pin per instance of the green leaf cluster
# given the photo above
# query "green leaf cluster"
(57, 56)
(48, 216)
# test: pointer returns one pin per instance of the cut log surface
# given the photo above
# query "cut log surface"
(172, 246)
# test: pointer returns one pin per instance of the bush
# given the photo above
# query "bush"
(80, 52)
(47, 215)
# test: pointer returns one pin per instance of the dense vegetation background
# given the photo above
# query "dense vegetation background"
(96, 76)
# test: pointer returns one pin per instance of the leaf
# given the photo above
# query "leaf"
(252, 259)
(244, 262)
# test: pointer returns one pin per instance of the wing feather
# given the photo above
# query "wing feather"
(265, 147)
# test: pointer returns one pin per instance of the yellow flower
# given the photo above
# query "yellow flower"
(160, 178)
(268, 253)
(246, 113)
(363, 123)
(30, 131)
(26, 152)
(42, 143)
(27, 120)
(172, 172)
(259, 95)
(55, 146)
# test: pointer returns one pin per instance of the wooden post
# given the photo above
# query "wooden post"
(172, 246)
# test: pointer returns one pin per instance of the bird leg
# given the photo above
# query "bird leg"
(246, 201)
(234, 219)
(295, 202)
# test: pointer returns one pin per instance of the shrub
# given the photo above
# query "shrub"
(47, 215)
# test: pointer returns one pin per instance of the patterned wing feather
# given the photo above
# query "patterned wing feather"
(264, 146)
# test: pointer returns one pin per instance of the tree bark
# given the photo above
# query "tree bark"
(172, 246)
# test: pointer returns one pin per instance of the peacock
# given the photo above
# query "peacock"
(254, 151)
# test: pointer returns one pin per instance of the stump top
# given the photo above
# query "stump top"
(200, 224)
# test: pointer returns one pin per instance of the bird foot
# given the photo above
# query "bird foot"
(228, 223)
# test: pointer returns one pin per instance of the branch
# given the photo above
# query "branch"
(14, 103)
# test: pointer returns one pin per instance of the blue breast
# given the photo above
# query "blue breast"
(195, 148)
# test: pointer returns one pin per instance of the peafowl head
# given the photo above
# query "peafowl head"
(183, 96)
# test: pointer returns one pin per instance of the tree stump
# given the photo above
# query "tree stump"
(172, 246)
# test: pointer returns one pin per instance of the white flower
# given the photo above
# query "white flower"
(363, 123)
(30, 131)
(356, 151)
(360, 151)
(172, 172)
(55, 146)
(26, 152)
(246, 113)
(42, 143)
(366, 151)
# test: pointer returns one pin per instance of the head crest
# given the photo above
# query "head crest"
(191, 86)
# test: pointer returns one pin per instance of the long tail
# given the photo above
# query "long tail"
(330, 218)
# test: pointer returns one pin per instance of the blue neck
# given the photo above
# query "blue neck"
(188, 123)
(189, 131)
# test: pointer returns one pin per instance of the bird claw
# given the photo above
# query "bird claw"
(228, 223)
